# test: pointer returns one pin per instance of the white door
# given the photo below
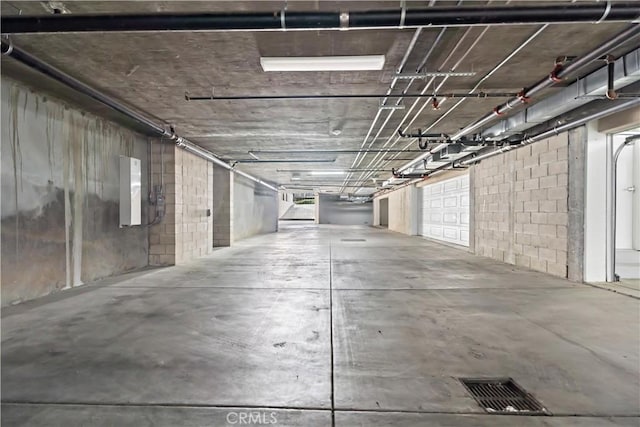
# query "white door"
(444, 211)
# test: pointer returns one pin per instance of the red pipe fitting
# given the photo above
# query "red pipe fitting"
(497, 112)
(522, 96)
(553, 76)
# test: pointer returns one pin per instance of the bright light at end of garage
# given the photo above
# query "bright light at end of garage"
(323, 63)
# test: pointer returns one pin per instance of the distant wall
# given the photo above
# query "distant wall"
(60, 196)
(255, 208)
(332, 210)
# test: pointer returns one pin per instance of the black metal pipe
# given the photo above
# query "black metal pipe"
(611, 91)
(59, 75)
(350, 95)
(433, 16)
(331, 151)
(31, 61)
(283, 161)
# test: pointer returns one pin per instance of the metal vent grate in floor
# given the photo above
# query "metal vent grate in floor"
(353, 240)
(503, 396)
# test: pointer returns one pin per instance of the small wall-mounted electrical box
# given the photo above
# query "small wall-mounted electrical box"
(130, 191)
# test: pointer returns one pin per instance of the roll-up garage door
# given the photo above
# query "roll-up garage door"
(444, 211)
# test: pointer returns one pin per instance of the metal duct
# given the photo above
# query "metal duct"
(284, 20)
(627, 71)
(600, 51)
(616, 108)
(31, 61)
(556, 75)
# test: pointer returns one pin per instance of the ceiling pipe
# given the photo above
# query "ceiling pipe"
(350, 95)
(377, 159)
(556, 75)
(618, 107)
(330, 151)
(392, 85)
(8, 49)
(581, 92)
(487, 75)
(437, 16)
(359, 159)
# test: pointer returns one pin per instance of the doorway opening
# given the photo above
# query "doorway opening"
(627, 207)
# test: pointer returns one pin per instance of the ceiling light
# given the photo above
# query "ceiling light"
(326, 173)
(336, 132)
(323, 63)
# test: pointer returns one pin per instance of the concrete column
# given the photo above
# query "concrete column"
(576, 204)
(162, 236)
(595, 207)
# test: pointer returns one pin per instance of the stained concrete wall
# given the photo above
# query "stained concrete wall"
(255, 208)
(332, 210)
(521, 206)
(60, 196)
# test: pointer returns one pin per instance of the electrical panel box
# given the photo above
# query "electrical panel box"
(130, 191)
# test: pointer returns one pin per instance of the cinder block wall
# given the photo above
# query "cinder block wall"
(186, 232)
(194, 238)
(520, 206)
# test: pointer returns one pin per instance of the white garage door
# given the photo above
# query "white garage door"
(444, 210)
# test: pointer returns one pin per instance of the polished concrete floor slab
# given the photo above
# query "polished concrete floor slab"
(321, 326)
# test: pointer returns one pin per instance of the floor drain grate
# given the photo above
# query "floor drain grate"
(502, 396)
(353, 240)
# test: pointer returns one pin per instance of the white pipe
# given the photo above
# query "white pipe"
(426, 103)
(482, 80)
(404, 60)
(612, 206)
(610, 275)
(558, 129)
(206, 154)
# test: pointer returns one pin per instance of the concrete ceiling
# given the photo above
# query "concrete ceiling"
(152, 72)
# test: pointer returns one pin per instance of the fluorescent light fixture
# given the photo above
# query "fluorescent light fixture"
(326, 173)
(323, 63)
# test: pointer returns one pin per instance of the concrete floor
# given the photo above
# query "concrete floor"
(288, 326)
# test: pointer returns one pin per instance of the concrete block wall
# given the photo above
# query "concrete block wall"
(194, 228)
(186, 232)
(520, 210)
